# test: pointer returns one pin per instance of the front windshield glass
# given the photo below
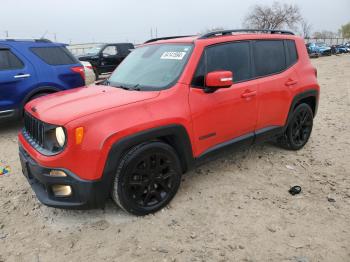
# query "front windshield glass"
(93, 51)
(152, 67)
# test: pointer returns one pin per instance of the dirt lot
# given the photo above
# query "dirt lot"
(236, 208)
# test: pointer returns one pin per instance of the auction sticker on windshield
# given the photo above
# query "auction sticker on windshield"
(173, 55)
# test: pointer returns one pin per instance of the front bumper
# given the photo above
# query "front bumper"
(85, 194)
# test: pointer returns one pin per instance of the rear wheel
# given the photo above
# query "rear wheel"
(299, 129)
(147, 178)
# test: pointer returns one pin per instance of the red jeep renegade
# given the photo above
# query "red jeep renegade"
(171, 103)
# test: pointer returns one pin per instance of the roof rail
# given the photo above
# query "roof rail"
(229, 32)
(165, 38)
(42, 40)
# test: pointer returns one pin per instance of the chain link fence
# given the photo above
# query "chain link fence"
(328, 41)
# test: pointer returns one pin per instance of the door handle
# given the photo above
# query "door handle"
(248, 94)
(22, 76)
(291, 82)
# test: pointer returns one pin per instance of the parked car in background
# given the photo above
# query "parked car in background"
(170, 105)
(320, 48)
(312, 53)
(33, 68)
(342, 49)
(104, 58)
(90, 76)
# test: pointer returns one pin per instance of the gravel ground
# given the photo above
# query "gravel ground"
(236, 208)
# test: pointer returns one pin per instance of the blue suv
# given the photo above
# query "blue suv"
(33, 68)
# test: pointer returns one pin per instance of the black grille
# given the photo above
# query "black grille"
(35, 129)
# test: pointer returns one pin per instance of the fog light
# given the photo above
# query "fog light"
(61, 190)
(57, 173)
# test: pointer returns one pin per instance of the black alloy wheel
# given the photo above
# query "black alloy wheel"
(299, 128)
(147, 179)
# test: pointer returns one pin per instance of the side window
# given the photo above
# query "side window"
(199, 76)
(8, 61)
(55, 55)
(292, 52)
(234, 57)
(110, 50)
(269, 57)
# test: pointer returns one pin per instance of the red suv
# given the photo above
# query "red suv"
(170, 104)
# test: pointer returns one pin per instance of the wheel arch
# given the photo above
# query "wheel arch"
(309, 97)
(174, 135)
(39, 90)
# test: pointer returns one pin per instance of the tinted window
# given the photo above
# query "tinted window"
(55, 55)
(198, 79)
(234, 57)
(292, 52)
(9, 61)
(269, 57)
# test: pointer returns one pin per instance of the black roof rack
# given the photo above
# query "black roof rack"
(166, 38)
(40, 40)
(229, 32)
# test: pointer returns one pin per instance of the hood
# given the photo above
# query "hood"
(63, 107)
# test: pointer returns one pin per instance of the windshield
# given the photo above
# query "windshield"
(321, 44)
(93, 51)
(152, 67)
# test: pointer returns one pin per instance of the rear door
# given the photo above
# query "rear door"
(274, 62)
(228, 113)
(17, 76)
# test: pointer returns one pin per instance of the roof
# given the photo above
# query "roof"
(229, 34)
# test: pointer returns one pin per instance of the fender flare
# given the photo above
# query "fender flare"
(309, 93)
(175, 135)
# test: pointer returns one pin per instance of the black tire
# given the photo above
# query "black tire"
(299, 128)
(147, 178)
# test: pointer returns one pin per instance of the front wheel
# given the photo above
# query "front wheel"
(299, 128)
(147, 178)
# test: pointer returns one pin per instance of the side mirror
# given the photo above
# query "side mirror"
(218, 79)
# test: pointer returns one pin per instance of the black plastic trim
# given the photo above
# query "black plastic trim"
(310, 93)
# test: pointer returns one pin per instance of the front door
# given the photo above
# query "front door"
(16, 78)
(228, 114)
(109, 59)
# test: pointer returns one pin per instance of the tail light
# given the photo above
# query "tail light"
(79, 70)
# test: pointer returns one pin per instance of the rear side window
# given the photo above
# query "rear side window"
(234, 57)
(292, 52)
(56, 55)
(269, 57)
(8, 61)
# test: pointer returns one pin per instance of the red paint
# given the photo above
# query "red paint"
(109, 114)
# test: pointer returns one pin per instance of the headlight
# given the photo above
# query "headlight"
(60, 136)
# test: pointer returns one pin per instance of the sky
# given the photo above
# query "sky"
(79, 21)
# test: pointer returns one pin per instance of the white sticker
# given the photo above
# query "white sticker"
(173, 55)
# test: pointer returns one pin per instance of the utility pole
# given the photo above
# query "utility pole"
(151, 32)
(7, 33)
(156, 32)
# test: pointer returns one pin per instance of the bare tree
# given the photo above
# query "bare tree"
(276, 16)
(306, 28)
(325, 34)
